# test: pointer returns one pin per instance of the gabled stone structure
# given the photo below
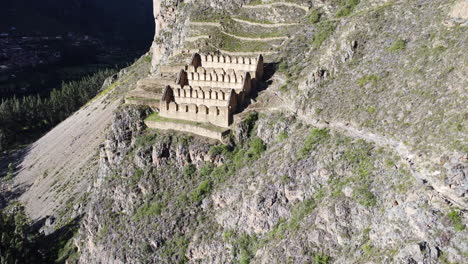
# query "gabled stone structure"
(211, 89)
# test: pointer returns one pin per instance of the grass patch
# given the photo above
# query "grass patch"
(148, 58)
(257, 147)
(314, 137)
(398, 45)
(282, 136)
(199, 193)
(236, 45)
(314, 16)
(347, 7)
(324, 31)
(189, 170)
(208, 15)
(236, 28)
(321, 258)
(373, 79)
(149, 210)
(175, 249)
(455, 218)
(364, 197)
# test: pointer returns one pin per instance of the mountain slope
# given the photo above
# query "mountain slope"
(354, 151)
(57, 170)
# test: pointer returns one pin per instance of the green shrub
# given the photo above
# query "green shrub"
(314, 137)
(359, 157)
(314, 16)
(347, 7)
(284, 88)
(324, 30)
(11, 171)
(455, 218)
(219, 149)
(250, 121)
(321, 258)
(257, 147)
(371, 109)
(148, 58)
(199, 193)
(368, 79)
(398, 45)
(207, 169)
(175, 249)
(364, 197)
(147, 210)
(283, 135)
(189, 170)
(244, 247)
(283, 67)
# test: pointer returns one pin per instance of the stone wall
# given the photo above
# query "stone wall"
(216, 115)
(188, 128)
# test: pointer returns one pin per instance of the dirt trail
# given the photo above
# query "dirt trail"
(416, 164)
(306, 8)
(275, 25)
(255, 39)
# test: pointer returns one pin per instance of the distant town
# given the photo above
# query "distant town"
(23, 51)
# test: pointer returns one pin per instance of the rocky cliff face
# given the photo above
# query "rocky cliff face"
(355, 152)
(289, 193)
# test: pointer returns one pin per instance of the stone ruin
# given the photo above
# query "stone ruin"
(211, 89)
(200, 97)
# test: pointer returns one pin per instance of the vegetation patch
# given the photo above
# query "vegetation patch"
(199, 193)
(372, 79)
(346, 7)
(456, 220)
(189, 170)
(282, 136)
(364, 196)
(314, 137)
(149, 210)
(236, 45)
(398, 45)
(321, 258)
(176, 248)
(314, 16)
(324, 31)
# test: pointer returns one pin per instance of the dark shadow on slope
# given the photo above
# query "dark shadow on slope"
(261, 85)
(58, 246)
(10, 166)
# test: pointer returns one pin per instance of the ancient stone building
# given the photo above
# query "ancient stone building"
(211, 89)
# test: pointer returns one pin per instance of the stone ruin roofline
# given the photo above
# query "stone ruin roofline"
(201, 69)
(207, 88)
(218, 77)
(237, 63)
